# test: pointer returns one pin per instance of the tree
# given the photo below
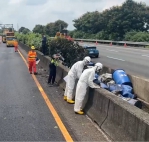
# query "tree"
(130, 16)
(90, 22)
(24, 30)
(50, 29)
(39, 29)
(60, 25)
(115, 22)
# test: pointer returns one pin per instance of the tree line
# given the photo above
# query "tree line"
(130, 21)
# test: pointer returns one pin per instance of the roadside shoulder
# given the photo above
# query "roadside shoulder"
(80, 127)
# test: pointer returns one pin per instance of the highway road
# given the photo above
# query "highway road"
(24, 115)
(133, 60)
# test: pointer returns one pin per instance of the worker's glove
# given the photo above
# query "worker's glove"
(96, 86)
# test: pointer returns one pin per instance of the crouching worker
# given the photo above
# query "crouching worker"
(16, 45)
(85, 80)
(74, 73)
(32, 60)
(52, 69)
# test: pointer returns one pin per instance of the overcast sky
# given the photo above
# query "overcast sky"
(28, 13)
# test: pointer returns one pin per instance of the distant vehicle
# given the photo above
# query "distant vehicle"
(10, 39)
(4, 38)
(93, 51)
(4, 35)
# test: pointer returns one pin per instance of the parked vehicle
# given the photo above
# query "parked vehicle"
(93, 51)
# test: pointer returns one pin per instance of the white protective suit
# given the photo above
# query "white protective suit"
(85, 80)
(74, 73)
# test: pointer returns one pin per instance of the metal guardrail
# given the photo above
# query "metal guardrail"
(115, 42)
(129, 43)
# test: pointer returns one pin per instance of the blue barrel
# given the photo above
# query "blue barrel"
(120, 77)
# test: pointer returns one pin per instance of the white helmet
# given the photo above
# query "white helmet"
(98, 66)
(87, 59)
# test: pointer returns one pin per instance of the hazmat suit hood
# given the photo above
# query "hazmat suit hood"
(98, 67)
(86, 60)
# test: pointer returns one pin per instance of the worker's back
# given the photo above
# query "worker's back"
(87, 75)
(76, 69)
(32, 56)
(53, 64)
(15, 43)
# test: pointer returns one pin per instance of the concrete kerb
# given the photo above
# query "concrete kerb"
(120, 120)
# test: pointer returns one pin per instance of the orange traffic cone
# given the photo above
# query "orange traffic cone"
(96, 42)
(125, 45)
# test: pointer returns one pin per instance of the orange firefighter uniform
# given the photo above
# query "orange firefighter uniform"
(16, 46)
(32, 60)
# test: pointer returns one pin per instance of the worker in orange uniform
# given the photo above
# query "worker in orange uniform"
(16, 45)
(32, 60)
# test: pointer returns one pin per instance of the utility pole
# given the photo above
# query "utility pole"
(60, 28)
(17, 27)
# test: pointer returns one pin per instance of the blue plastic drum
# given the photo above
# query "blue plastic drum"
(120, 77)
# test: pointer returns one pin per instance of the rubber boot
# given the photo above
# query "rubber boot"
(65, 98)
(80, 112)
(70, 101)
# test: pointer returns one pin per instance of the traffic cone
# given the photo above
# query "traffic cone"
(96, 42)
(125, 45)
(111, 43)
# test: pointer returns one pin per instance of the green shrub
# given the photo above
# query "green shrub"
(71, 51)
(30, 39)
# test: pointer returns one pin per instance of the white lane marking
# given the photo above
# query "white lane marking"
(122, 47)
(115, 58)
(112, 50)
(145, 55)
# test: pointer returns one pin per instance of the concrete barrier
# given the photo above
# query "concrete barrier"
(117, 118)
(141, 87)
(97, 106)
(124, 122)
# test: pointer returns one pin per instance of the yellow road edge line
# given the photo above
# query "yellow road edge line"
(58, 120)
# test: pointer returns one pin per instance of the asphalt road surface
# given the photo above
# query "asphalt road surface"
(24, 115)
(133, 60)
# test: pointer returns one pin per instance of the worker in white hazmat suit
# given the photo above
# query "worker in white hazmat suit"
(85, 80)
(74, 73)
